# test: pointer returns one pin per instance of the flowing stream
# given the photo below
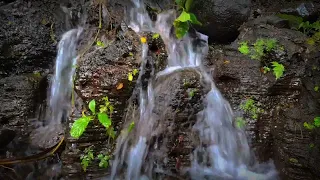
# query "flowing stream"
(223, 151)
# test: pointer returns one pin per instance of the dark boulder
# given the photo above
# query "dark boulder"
(221, 18)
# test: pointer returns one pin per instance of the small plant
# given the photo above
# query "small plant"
(250, 108)
(104, 160)
(265, 69)
(316, 88)
(182, 23)
(80, 125)
(192, 93)
(259, 50)
(155, 36)
(100, 43)
(86, 158)
(244, 48)
(131, 74)
(240, 122)
(315, 124)
(278, 69)
(131, 126)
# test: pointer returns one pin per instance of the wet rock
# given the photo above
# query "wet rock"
(305, 9)
(288, 102)
(6, 136)
(221, 19)
(100, 73)
(26, 40)
(17, 93)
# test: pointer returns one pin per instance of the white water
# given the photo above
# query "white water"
(59, 101)
(62, 83)
(223, 152)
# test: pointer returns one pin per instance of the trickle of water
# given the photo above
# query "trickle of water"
(61, 88)
(62, 83)
(223, 151)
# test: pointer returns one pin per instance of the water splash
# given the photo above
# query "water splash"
(223, 151)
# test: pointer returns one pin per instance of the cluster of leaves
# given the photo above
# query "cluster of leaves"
(132, 74)
(310, 29)
(182, 23)
(104, 160)
(80, 125)
(240, 122)
(250, 108)
(259, 50)
(88, 157)
(311, 126)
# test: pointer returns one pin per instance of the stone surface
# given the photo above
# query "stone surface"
(220, 18)
(278, 133)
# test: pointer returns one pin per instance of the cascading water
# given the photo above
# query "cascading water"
(59, 101)
(223, 151)
(62, 84)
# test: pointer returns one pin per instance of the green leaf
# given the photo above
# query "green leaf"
(188, 5)
(266, 69)
(194, 19)
(181, 28)
(79, 126)
(131, 126)
(316, 122)
(156, 36)
(104, 120)
(240, 122)
(244, 48)
(92, 106)
(278, 69)
(271, 44)
(184, 17)
(135, 72)
(316, 88)
(308, 126)
(100, 44)
(111, 132)
(130, 76)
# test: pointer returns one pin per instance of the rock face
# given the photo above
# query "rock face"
(221, 19)
(17, 104)
(278, 133)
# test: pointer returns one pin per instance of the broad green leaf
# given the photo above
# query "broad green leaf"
(181, 28)
(131, 126)
(79, 126)
(130, 77)
(104, 120)
(317, 121)
(184, 17)
(92, 106)
(194, 19)
(316, 88)
(278, 69)
(155, 36)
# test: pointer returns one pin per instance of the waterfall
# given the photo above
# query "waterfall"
(223, 151)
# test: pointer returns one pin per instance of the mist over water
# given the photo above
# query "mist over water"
(222, 151)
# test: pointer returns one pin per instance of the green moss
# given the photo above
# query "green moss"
(250, 107)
